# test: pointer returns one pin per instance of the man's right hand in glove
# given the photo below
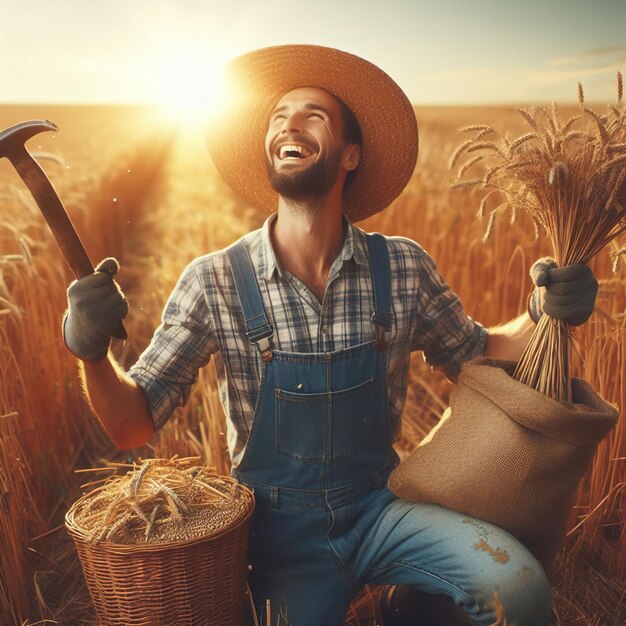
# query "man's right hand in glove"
(96, 308)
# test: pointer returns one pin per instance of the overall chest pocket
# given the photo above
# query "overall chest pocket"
(323, 427)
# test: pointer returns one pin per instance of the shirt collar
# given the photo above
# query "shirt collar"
(267, 258)
(352, 248)
(353, 244)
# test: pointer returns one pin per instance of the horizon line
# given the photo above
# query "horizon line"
(415, 104)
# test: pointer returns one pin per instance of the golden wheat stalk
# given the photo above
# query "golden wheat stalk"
(572, 183)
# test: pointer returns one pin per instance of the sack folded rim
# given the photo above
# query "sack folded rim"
(584, 423)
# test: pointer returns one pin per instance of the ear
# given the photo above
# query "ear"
(351, 156)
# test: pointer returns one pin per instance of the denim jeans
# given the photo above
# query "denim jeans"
(311, 553)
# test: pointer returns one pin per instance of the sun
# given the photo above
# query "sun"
(190, 86)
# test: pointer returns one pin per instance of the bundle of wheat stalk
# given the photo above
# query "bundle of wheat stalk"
(158, 501)
(570, 177)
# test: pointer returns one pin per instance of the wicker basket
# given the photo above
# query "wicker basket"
(195, 582)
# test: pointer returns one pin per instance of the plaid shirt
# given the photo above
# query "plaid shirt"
(203, 318)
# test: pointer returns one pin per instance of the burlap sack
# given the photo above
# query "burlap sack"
(507, 454)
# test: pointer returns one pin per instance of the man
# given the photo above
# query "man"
(314, 323)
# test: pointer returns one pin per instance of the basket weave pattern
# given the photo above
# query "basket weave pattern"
(194, 582)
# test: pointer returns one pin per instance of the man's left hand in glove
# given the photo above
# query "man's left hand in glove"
(566, 293)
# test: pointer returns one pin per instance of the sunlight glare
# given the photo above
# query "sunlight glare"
(190, 87)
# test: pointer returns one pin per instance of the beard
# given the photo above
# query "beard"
(312, 184)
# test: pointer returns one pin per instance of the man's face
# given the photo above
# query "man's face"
(304, 143)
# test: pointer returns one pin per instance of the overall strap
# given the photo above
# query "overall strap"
(258, 329)
(381, 277)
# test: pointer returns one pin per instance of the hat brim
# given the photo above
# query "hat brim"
(254, 82)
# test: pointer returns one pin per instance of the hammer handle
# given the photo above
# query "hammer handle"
(57, 218)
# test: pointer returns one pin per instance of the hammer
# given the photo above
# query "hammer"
(12, 147)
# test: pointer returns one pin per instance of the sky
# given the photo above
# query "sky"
(439, 51)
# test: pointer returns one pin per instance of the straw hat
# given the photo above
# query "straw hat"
(254, 82)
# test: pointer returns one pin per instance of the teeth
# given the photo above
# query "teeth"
(301, 150)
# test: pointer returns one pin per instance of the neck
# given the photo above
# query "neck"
(307, 237)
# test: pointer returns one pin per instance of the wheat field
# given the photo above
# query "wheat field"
(146, 192)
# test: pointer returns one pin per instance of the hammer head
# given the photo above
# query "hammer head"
(12, 139)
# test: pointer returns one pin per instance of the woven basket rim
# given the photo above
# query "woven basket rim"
(78, 534)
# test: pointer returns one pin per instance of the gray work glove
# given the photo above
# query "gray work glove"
(567, 293)
(96, 307)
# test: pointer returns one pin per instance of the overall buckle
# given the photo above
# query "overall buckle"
(383, 322)
(382, 337)
(265, 348)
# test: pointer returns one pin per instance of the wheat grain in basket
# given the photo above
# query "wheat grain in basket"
(166, 543)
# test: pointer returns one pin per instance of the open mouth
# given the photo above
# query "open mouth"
(293, 152)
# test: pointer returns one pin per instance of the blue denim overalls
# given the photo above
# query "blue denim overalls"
(318, 457)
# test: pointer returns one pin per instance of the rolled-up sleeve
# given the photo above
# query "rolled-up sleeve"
(180, 346)
(447, 336)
